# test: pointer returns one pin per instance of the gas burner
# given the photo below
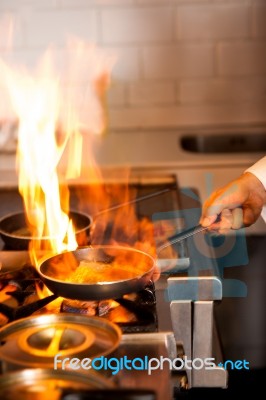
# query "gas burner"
(135, 312)
(19, 299)
(152, 323)
(88, 308)
(14, 314)
(18, 295)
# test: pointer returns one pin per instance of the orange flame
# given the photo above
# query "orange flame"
(56, 112)
(53, 115)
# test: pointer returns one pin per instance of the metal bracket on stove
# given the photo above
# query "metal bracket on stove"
(194, 326)
(194, 288)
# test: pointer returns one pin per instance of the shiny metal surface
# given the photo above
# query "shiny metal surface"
(153, 346)
(177, 322)
(203, 347)
(33, 342)
(43, 384)
(142, 262)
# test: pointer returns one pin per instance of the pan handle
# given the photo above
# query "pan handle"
(136, 200)
(178, 237)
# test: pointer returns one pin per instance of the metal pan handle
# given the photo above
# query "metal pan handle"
(178, 237)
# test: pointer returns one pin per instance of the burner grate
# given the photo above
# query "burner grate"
(19, 298)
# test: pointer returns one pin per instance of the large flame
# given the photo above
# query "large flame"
(53, 112)
(56, 109)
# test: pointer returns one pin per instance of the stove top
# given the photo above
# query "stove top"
(135, 312)
(21, 289)
(153, 325)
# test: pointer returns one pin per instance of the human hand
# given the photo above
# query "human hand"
(238, 204)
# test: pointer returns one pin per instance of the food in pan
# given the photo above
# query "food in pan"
(96, 272)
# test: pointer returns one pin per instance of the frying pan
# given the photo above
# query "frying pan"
(16, 236)
(110, 271)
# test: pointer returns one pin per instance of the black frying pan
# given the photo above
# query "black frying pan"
(110, 272)
(16, 236)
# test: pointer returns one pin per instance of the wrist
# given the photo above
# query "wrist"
(253, 183)
(258, 169)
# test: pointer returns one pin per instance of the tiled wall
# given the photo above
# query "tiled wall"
(180, 62)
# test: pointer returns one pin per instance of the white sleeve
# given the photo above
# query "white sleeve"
(259, 170)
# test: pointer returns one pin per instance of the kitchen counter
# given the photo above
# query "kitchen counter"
(161, 149)
(152, 149)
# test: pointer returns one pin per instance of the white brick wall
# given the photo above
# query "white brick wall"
(151, 93)
(217, 21)
(137, 25)
(179, 62)
(223, 90)
(54, 26)
(127, 66)
(244, 58)
(258, 22)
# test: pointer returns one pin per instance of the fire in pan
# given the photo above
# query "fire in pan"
(96, 273)
(103, 272)
(16, 234)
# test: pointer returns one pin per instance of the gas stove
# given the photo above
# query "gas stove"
(160, 321)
